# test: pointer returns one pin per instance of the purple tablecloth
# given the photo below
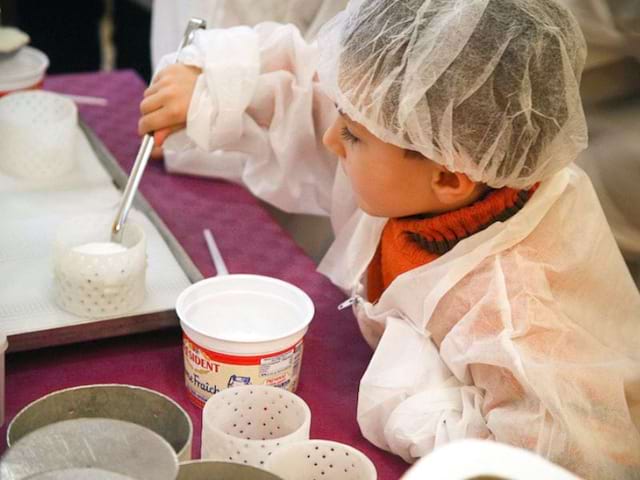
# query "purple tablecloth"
(335, 355)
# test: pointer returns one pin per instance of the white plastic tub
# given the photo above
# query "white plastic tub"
(25, 70)
(95, 278)
(247, 424)
(38, 131)
(321, 459)
(241, 330)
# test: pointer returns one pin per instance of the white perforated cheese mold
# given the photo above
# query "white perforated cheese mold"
(93, 277)
(321, 460)
(38, 131)
(247, 424)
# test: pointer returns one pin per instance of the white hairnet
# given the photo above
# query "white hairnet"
(489, 88)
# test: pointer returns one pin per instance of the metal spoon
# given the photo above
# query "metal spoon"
(145, 152)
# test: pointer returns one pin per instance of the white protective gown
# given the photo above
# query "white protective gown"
(527, 332)
(611, 94)
(170, 17)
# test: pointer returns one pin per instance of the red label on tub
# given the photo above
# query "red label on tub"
(207, 372)
(37, 86)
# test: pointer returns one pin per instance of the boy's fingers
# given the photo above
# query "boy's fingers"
(155, 120)
(161, 135)
(157, 153)
(159, 75)
(165, 72)
(150, 104)
(156, 86)
(150, 90)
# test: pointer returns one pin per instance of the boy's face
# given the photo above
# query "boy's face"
(387, 181)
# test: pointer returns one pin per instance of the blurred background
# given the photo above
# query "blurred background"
(86, 35)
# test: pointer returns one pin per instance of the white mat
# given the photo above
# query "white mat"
(30, 213)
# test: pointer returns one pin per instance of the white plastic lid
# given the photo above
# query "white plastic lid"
(23, 70)
(243, 313)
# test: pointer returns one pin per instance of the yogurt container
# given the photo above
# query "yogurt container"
(242, 330)
(23, 71)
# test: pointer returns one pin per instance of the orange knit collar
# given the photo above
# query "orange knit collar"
(408, 243)
(439, 234)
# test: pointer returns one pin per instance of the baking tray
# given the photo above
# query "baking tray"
(105, 328)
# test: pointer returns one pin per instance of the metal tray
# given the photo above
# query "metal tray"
(105, 328)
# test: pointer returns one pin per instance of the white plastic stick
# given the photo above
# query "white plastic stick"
(216, 256)
(86, 100)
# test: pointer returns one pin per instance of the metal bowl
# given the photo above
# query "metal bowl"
(79, 474)
(106, 444)
(129, 403)
(209, 470)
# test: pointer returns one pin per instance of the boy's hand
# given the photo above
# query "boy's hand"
(166, 102)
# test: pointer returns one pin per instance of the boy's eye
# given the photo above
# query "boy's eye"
(347, 136)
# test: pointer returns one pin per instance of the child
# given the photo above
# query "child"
(480, 265)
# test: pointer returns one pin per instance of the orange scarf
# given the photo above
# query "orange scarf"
(411, 242)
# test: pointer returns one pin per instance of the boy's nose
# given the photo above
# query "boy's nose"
(332, 140)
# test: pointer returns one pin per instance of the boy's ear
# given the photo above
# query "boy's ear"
(452, 188)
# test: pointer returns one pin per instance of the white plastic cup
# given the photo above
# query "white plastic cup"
(38, 132)
(241, 330)
(23, 71)
(98, 285)
(315, 459)
(248, 424)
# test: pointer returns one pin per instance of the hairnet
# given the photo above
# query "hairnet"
(489, 88)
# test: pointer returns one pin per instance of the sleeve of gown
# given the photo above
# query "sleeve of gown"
(409, 401)
(550, 384)
(502, 360)
(257, 117)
